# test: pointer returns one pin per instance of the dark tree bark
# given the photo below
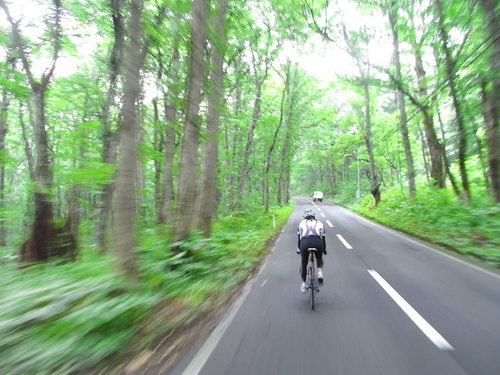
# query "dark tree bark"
(450, 74)
(232, 146)
(27, 145)
(491, 98)
(374, 183)
(170, 108)
(453, 181)
(364, 73)
(207, 207)
(259, 79)
(110, 137)
(4, 106)
(158, 142)
(267, 165)
(434, 147)
(392, 13)
(192, 124)
(124, 209)
(46, 240)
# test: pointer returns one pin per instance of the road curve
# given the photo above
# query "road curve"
(391, 305)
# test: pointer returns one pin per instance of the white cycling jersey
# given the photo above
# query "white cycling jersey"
(311, 228)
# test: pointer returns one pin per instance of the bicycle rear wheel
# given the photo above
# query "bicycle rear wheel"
(313, 289)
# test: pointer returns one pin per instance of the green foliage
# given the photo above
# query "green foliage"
(472, 229)
(55, 320)
(58, 319)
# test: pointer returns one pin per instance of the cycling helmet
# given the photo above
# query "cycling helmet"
(309, 213)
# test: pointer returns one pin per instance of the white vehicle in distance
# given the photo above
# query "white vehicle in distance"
(318, 196)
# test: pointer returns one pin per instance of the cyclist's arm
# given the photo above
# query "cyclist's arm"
(298, 236)
(323, 238)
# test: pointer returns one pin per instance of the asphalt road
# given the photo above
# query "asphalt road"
(390, 305)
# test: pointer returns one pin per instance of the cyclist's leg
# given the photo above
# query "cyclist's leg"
(304, 245)
(318, 244)
(319, 259)
(304, 255)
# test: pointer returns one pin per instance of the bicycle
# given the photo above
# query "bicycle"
(311, 281)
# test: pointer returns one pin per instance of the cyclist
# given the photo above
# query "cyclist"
(311, 233)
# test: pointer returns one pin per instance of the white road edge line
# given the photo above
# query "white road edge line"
(208, 347)
(322, 214)
(329, 223)
(421, 323)
(425, 246)
(346, 244)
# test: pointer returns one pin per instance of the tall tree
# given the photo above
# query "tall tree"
(364, 79)
(44, 239)
(170, 109)
(261, 60)
(192, 124)
(450, 65)
(269, 152)
(208, 193)
(124, 210)
(4, 107)
(109, 136)
(392, 14)
(435, 148)
(491, 96)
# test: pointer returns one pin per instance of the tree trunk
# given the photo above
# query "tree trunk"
(453, 182)
(109, 137)
(27, 146)
(259, 80)
(450, 73)
(480, 154)
(491, 99)
(401, 104)
(39, 248)
(192, 124)
(435, 148)
(158, 146)
(208, 196)
(124, 209)
(46, 240)
(4, 106)
(170, 109)
(232, 149)
(267, 165)
(374, 184)
(332, 180)
(284, 175)
(243, 177)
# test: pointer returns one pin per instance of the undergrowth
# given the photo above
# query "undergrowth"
(438, 216)
(62, 318)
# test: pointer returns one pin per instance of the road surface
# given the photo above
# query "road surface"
(390, 305)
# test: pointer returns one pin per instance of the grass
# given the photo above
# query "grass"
(437, 216)
(63, 318)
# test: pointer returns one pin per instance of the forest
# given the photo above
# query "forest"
(141, 140)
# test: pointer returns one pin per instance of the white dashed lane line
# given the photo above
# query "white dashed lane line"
(329, 223)
(322, 214)
(421, 323)
(346, 244)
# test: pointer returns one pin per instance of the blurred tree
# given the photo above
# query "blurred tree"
(207, 202)
(187, 192)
